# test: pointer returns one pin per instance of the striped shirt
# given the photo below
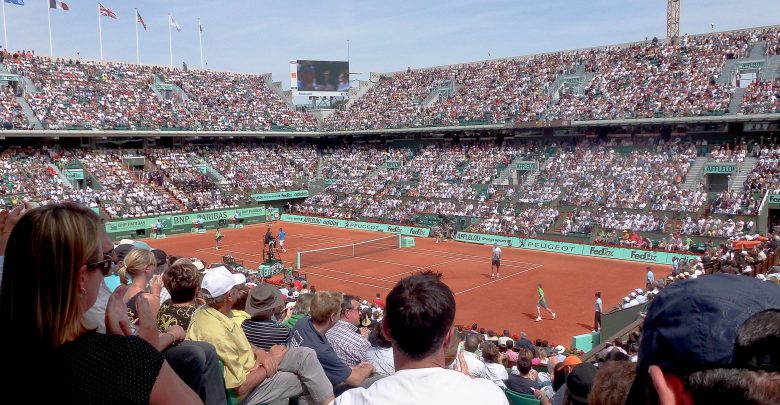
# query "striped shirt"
(265, 334)
(349, 345)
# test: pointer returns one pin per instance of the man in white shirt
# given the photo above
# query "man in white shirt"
(419, 317)
(495, 261)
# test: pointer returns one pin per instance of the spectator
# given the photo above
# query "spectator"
(255, 375)
(730, 364)
(262, 330)
(380, 354)
(349, 342)
(310, 333)
(300, 310)
(58, 349)
(420, 311)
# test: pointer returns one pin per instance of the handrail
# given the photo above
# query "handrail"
(625, 331)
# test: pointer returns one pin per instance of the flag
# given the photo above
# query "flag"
(105, 11)
(200, 27)
(59, 4)
(17, 2)
(140, 19)
(173, 23)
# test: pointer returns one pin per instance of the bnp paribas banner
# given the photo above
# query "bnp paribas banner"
(169, 221)
(282, 195)
(364, 226)
(606, 252)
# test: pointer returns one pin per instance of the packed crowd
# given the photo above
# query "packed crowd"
(589, 174)
(187, 182)
(11, 114)
(766, 175)
(762, 97)
(527, 222)
(84, 94)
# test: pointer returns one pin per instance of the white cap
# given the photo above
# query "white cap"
(217, 282)
(238, 278)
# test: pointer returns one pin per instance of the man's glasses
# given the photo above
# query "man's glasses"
(104, 265)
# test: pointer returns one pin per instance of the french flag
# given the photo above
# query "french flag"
(59, 4)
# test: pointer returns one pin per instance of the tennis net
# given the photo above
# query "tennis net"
(316, 257)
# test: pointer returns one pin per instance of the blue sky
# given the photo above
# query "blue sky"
(262, 36)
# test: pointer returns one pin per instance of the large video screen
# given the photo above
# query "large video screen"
(317, 77)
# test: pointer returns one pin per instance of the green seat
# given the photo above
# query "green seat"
(516, 398)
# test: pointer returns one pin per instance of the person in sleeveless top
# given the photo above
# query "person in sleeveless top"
(55, 261)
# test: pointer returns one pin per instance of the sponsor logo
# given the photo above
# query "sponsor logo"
(394, 229)
(603, 251)
(520, 243)
(417, 231)
(329, 222)
(549, 246)
(310, 220)
(644, 256)
(719, 168)
(471, 237)
(774, 198)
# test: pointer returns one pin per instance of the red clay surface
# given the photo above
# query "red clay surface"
(569, 282)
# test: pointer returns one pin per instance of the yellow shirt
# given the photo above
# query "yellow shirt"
(235, 352)
(239, 316)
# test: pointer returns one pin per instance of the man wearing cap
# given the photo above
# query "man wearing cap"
(650, 278)
(712, 340)
(420, 313)
(262, 329)
(349, 342)
(254, 374)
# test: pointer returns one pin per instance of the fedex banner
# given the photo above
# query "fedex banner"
(363, 226)
(605, 252)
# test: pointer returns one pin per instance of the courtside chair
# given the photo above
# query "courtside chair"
(516, 398)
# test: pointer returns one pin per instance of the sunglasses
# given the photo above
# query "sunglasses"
(104, 265)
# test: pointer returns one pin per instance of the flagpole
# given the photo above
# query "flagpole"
(137, 49)
(5, 30)
(170, 41)
(100, 29)
(200, 42)
(51, 48)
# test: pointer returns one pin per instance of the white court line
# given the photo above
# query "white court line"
(348, 281)
(341, 272)
(500, 279)
(419, 269)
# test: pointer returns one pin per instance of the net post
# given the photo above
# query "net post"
(298, 260)
(400, 245)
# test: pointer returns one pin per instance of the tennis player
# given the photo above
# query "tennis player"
(218, 238)
(496, 261)
(542, 303)
(281, 239)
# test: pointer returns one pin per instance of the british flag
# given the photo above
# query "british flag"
(107, 12)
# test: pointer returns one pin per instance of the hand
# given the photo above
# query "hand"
(271, 365)
(365, 332)
(178, 333)
(365, 364)
(8, 220)
(147, 322)
(538, 393)
(156, 285)
(278, 351)
(116, 314)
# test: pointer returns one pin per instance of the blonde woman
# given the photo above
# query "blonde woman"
(56, 258)
(140, 265)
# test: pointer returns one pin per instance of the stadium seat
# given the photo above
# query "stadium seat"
(516, 398)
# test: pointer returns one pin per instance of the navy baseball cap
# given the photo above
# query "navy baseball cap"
(693, 324)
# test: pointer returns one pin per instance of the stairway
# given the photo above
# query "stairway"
(503, 178)
(735, 105)
(28, 112)
(65, 181)
(758, 50)
(363, 87)
(737, 181)
(694, 176)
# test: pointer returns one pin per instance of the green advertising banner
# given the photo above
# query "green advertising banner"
(74, 174)
(774, 201)
(282, 195)
(526, 165)
(605, 252)
(364, 226)
(178, 220)
(9, 78)
(393, 164)
(720, 168)
(751, 64)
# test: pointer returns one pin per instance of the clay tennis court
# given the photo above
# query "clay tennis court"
(569, 282)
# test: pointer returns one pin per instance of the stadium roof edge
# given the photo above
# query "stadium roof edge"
(318, 134)
(623, 45)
